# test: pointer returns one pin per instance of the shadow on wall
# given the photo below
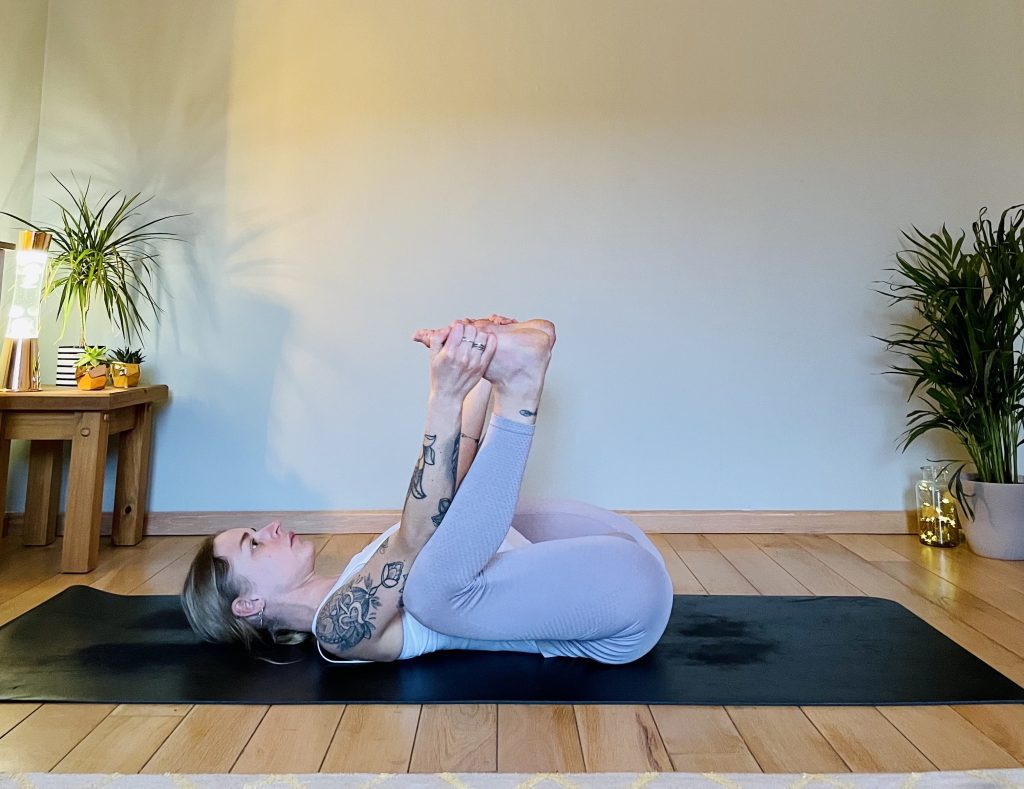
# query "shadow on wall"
(204, 439)
(187, 131)
(164, 135)
(218, 430)
(167, 134)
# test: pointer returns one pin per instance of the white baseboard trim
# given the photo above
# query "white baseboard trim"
(655, 521)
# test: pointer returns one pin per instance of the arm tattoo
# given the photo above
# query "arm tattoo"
(426, 459)
(348, 616)
(442, 509)
(445, 503)
(524, 412)
(455, 460)
(401, 592)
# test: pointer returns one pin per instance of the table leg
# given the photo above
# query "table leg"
(5, 462)
(45, 469)
(132, 489)
(85, 493)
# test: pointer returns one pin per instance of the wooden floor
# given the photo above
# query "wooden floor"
(977, 602)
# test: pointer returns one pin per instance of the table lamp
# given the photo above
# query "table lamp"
(19, 359)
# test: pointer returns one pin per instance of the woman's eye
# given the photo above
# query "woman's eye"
(252, 545)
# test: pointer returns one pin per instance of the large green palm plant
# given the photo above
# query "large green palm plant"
(966, 359)
(100, 257)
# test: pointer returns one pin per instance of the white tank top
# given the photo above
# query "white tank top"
(418, 639)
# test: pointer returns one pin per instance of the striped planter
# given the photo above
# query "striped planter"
(67, 356)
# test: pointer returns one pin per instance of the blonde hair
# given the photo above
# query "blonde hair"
(210, 588)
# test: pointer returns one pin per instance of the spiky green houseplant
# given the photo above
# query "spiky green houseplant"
(127, 356)
(101, 256)
(966, 357)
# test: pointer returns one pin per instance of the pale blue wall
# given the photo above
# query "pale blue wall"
(699, 194)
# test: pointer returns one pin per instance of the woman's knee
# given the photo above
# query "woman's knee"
(655, 598)
(657, 583)
(642, 602)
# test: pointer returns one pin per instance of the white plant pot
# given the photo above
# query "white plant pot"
(997, 530)
(67, 355)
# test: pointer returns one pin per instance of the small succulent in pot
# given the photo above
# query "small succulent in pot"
(127, 355)
(125, 367)
(91, 370)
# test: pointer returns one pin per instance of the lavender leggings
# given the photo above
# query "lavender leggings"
(576, 590)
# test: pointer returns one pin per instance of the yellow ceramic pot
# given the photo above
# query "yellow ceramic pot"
(92, 378)
(125, 374)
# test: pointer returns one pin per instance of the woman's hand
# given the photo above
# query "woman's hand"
(423, 335)
(455, 365)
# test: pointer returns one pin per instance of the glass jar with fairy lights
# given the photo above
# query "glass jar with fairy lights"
(936, 510)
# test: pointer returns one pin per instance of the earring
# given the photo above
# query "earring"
(261, 615)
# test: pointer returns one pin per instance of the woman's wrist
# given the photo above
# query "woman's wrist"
(442, 403)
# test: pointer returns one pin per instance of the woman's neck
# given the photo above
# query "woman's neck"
(296, 610)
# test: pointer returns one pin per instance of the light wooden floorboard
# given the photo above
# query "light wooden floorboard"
(209, 739)
(290, 739)
(124, 741)
(934, 730)
(977, 602)
(46, 736)
(454, 738)
(866, 741)
(373, 738)
(538, 738)
(13, 714)
(621, 738)
(784, 740)
(702, 739)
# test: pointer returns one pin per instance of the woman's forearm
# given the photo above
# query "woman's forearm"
(434, 480)
(474, 416)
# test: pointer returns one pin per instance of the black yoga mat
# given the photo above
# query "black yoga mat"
(85, 645)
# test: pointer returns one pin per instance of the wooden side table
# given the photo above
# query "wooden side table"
(87, 419)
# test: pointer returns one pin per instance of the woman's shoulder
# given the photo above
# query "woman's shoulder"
(379, 649)
(357, 562)
(384, 649)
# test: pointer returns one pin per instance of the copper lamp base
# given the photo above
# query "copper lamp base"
(19, 365)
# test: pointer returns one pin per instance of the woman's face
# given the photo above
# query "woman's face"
(273, 560)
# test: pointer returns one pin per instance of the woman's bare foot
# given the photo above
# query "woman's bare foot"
(495, 318)
(501, 326)
(517, 372)
(518, 367)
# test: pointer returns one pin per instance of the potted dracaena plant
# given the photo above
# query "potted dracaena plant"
(967, 363)
(125, 367)
(92, 368)
(103, 254)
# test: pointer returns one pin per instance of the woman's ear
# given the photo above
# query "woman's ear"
(246, 606)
